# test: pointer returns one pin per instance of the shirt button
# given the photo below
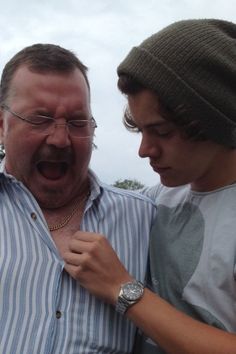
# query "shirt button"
(58, 314)
(33, 216)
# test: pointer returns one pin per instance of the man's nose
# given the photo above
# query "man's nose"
(149, 147)
(59, 136)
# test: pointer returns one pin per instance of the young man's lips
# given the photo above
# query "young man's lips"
(159, 169)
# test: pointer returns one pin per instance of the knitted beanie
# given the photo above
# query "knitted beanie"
(192, 63)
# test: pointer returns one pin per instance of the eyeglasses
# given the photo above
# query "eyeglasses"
(78, 128)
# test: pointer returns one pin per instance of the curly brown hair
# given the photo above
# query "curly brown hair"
(191, 129)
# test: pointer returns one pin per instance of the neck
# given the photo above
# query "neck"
(60, 217)
(221, 174)
(58, 201)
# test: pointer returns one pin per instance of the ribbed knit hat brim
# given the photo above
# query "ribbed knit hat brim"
(192, 63)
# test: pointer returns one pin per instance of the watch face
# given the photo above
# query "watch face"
(132, 291)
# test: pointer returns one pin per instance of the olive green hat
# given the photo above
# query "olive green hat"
(192, 63)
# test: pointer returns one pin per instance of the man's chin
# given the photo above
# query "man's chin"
(50, 194)
(50, 200)
(171, 184)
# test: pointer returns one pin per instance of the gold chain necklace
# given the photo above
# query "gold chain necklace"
(64, 222)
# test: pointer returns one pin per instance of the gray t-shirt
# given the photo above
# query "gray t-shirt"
(193, 255)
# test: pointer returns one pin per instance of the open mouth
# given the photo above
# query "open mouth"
(52, 170)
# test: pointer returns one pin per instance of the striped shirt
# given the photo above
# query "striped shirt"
(43, 310)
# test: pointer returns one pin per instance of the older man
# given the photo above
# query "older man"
(48, 193)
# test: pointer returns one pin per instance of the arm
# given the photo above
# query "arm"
(94, 263)
(176, 332)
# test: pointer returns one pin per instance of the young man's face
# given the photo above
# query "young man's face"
(54, 167)
(176, 159)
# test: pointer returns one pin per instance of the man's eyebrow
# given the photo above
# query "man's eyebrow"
(157, 124)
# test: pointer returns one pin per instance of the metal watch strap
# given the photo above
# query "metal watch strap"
(123, 303)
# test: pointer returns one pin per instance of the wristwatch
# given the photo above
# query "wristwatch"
(130, 294)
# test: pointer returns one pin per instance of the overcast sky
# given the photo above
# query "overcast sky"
(101, 33)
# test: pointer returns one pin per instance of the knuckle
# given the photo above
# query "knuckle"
(77, 273)
(87, 259)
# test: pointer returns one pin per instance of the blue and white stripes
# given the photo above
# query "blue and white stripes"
(42, 309)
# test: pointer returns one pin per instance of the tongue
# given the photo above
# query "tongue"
(52, 170)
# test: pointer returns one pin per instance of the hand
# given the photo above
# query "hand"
(92, 261)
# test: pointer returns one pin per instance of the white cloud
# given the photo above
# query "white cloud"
(101, 33)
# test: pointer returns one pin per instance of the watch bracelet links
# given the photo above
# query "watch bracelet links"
(123, 305)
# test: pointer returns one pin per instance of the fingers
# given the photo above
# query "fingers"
(86, 242)
(84, 239)
(87, 236)
(78, 265)
(87, 249)
(92, 261)
(72, 258)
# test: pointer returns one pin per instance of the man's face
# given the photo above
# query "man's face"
(53, 167)
(176, 159)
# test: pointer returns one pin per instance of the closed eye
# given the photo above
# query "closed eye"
(160, 130)
(39, 120)
(78, 123)
(163, 133)
(164, 130)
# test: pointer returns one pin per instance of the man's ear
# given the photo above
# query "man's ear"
(2, 150)
(1, 127)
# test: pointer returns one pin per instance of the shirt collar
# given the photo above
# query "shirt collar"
(4, 174)
(95, 185)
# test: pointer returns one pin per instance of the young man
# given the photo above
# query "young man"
(48, 193)
(180, 84)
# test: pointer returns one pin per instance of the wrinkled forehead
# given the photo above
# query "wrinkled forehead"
(48, 89)
(26, 79)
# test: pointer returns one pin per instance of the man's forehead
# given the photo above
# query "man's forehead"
(28, 70)
(52, 98)
(26, 79)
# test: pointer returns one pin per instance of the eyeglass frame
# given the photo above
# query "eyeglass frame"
(67, 124)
